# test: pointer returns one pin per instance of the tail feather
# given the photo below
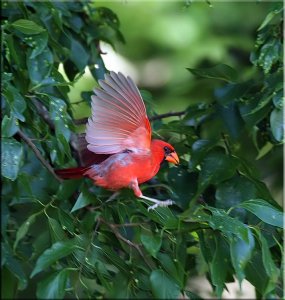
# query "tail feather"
(71, 173)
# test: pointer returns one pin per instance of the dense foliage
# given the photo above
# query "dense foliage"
(63, 239)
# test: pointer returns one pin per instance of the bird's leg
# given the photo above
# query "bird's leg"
(157, 203)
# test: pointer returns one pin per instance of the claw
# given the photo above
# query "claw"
(157, 203)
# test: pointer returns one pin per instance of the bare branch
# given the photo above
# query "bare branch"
(167, 115)
(38, 154)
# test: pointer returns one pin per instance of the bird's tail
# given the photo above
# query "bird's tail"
(71, 173)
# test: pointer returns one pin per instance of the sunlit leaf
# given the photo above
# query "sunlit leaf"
(27, 26)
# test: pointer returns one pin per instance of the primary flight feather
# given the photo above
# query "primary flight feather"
(119, 128)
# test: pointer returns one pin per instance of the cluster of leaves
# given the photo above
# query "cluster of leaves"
(63, 239)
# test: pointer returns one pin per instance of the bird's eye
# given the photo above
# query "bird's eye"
(167, 150)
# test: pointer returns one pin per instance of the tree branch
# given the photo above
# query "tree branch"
(114, 229)
(153, 118)
(38, 154)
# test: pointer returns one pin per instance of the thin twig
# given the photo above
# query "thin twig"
(38, 154)
(167, 115)
(153, 118)
(114, 229)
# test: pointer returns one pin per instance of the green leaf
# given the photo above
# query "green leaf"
(234, 191)
(220, 220)
(38, 44)
(232, 119)
(264, 211)
(269, 265)
(216, 167)
(78, 55)
(278, 99)
(23, 229)
(199, 151)
(277, 124)
(219, 265)
(56, 231)
(9, 126)
(53, 254)
(255, 272)
(221, 72)
(11, 158)
(170, 267)
(151, 242)
(84, 199)
(39, 67)
(54, 286)
(269, 17)
(16, 102)
(241, 252)
(14, 265)
(27, 27)
(264, 150)
(163, 286)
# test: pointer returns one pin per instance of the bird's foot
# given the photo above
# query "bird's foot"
(157, 203)
(160, 204)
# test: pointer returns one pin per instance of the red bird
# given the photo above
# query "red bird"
(119, 127)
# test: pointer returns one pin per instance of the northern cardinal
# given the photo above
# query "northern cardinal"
(119, 128)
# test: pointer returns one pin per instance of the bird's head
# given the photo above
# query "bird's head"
(165, 151)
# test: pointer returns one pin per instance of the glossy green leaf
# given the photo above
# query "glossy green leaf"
(241, 252)
(233, 192)
(27, 27)
(255, 272)
(23, 229)
(232, 119)
(9, 126)
(78, 55)
(270, 16)
(199, 150)
(219, 265)
(52, 255)
(169, 266)
(267, 259)
(277, 124)
(53, 287)
(216, 167)
(221, 72)
(38, 44)
(16, 101)
(163, 286)
(264, 211)
(11, 158)
(39, 67)
(56, 231)
(83, 200)
(151, 242)
(278, 99)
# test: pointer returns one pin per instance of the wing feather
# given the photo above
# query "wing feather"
(118, 121)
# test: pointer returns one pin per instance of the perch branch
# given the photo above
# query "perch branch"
(38, 154)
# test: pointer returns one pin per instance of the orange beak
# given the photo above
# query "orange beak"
(172, 158)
